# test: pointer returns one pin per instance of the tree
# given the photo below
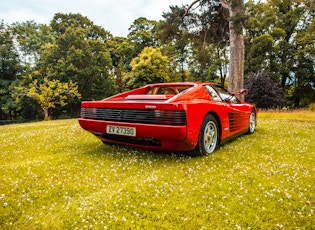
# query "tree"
(50, 93)
(150, 66)
(120, 76)
(81, 54)
(121, 53)
(142, 33)
(236, 17)
(10, 68)
(280, 38)
(236, 65)
(197, 40)
(176, 39)
(264, 92)
(29, 38)
(71, 48)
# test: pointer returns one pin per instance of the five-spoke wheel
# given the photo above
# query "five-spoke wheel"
(208, 137)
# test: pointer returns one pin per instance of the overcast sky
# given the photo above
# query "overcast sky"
(115, 16)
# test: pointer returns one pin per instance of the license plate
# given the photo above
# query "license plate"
(121, 130)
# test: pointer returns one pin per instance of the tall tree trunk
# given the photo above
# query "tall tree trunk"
(236, 65)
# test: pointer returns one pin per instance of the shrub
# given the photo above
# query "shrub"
(311, 106)
(264, 92)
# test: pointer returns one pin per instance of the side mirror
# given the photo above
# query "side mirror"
(244, 91)
(241, 92)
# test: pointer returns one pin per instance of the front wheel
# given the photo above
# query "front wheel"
(252, 122)
(208, 137)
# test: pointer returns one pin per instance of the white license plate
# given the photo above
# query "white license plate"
(121, 130)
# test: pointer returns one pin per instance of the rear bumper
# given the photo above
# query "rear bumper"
(148, 136)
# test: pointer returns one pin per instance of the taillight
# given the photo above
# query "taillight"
(170, 117)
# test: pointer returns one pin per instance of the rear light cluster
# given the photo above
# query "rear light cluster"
(163, 117)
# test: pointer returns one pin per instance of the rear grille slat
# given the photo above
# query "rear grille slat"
(171, 117)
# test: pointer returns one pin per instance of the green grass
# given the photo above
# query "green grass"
(54, 175)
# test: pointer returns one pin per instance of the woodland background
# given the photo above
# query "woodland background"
(47, 70)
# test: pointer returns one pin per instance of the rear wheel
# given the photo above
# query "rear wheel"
(208, 137)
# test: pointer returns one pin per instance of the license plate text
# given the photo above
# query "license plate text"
(121, 130)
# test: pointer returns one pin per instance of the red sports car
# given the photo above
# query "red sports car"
(183, 117)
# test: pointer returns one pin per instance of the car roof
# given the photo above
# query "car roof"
(179, 84)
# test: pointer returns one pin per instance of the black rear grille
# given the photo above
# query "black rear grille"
(171, 117)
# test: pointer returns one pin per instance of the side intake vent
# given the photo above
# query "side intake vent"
(236, 121)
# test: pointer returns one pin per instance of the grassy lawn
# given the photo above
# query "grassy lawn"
(54, 175)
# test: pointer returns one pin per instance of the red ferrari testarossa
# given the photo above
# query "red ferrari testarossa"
(192, 117)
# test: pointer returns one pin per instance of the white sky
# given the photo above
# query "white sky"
(115, 16)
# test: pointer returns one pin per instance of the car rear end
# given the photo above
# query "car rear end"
(147, 122)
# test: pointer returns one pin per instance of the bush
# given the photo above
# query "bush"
(311, 106)
(264, 92)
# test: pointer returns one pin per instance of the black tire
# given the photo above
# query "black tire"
(252, 122)
(208, 137)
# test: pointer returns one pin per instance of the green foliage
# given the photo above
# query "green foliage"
(9, 59)
(198, 41)
(10, 67)
(280, 39)
(81, 54)
(70, 180)
(211, 64)
(311, 107)
(173, 34)
(31, 37)
(50, 93)
(212, 21)
(149, 67)
(121, 49)
(142, 33)
(258, 55)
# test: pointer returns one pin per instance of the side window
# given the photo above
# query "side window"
(225, 95)
(213, 94)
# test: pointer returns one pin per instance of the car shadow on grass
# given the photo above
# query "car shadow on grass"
(117, 151)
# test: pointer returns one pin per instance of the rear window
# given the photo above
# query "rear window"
(167, 90)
